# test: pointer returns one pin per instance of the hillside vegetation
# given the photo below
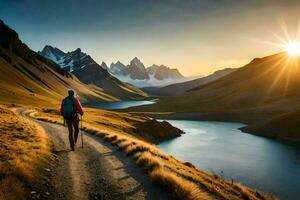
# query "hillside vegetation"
(24, 151)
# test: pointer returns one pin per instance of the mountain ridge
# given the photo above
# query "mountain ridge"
(180, 88)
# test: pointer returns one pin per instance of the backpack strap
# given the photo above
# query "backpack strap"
(74, 108)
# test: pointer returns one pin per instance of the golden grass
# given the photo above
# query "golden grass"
(180, 187)
(147, 160)
(24, 150)
(182, 179)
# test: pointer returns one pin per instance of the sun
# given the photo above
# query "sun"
(293, 48)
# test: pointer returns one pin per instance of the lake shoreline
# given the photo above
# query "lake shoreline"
(222, 148)
(249, 121)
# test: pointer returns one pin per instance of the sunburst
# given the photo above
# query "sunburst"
(293, 48)
(285, 68)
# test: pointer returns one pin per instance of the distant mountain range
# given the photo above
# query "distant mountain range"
(90, 72)
(137, 74)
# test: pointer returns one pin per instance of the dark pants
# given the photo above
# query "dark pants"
(73, 126)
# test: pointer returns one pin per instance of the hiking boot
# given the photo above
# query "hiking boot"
(72, 148)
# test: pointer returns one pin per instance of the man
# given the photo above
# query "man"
(70, 107)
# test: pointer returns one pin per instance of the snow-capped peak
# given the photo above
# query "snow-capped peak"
(70, 60)
(52, 53)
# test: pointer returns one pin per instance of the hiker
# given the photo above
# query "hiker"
(70, 107)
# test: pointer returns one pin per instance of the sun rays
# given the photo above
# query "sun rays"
(290, 42)
(283, 69)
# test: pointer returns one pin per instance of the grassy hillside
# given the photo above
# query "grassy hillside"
(286, 126)
(24, 151)
(26, 83)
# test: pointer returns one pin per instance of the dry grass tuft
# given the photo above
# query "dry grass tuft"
(124, 144)
(110, 138)
(148, 161)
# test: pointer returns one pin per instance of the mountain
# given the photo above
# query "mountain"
(104, 66)
(162, 72)
(27, 78)
(70, 61)
(137, 70)
(137, 74)
(119, 69)
(262, 90)
(90, 72)
(53, 54)
(180, 88)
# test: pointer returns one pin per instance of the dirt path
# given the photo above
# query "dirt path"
(97, 171)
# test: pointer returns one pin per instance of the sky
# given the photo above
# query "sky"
(195, 36)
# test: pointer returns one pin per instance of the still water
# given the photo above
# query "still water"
(221, 148)
(121, 104)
